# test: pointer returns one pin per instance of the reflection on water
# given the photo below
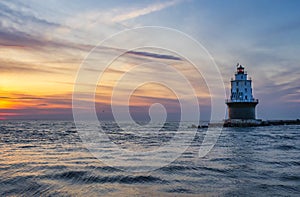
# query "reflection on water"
(48, 158)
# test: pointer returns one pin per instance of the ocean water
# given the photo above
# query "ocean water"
(48, 158)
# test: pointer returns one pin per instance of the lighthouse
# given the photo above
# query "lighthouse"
(241, 104)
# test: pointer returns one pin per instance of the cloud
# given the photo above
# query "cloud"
(18, 13)
(20, 26)
(16, 38)
(154, 55)
(17, 16)
(147, 10)
(10, 66)
(101, 23)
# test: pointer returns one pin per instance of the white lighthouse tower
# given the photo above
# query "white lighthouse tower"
(241, 104)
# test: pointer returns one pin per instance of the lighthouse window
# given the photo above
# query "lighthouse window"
(245, 89)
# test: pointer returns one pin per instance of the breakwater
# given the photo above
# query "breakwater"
(251, 123)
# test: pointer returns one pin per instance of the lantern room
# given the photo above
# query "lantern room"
(240, 69)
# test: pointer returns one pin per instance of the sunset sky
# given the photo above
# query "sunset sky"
(43, 44)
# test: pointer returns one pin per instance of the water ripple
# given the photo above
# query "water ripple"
(47, 158)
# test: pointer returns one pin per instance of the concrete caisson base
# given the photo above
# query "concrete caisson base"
(241, 110)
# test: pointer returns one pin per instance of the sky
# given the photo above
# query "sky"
(45, 43)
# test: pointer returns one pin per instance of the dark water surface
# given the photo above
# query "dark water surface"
(48, 158)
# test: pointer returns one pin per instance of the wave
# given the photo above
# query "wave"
(285, 147)
(86, 177)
